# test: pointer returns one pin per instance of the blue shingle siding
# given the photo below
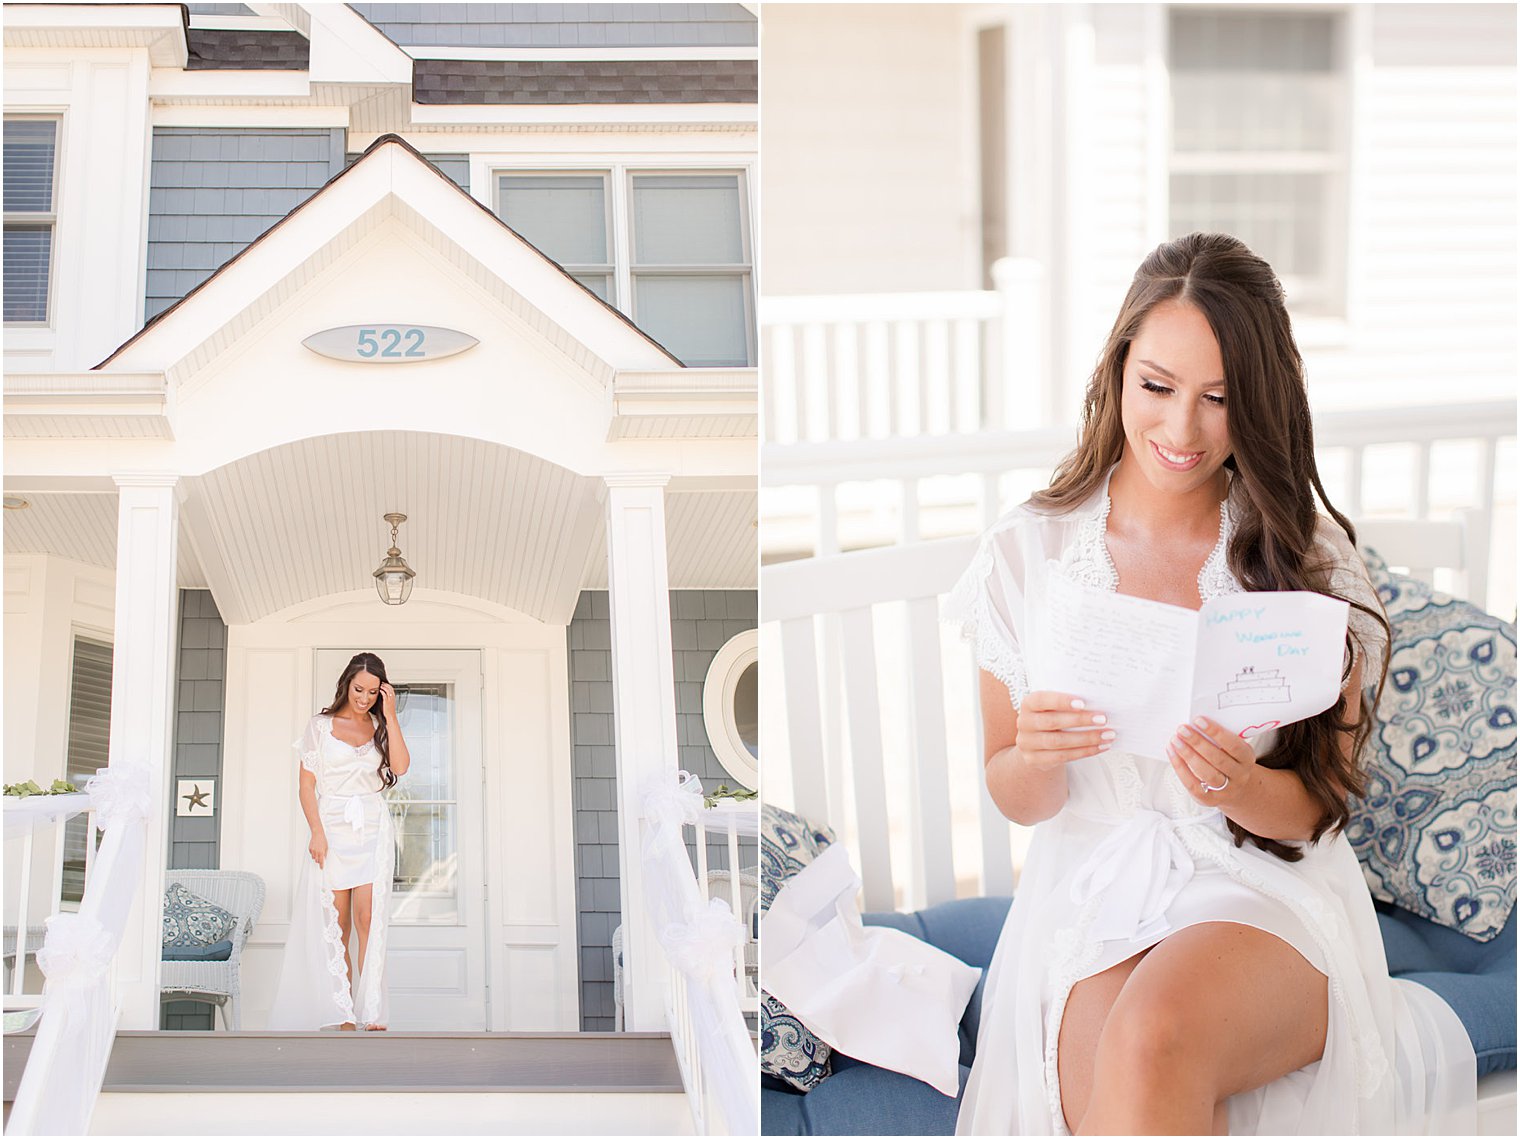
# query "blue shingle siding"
(213, 191)
(198, 735)
(455, 167)
(564, 25)
(710, 617)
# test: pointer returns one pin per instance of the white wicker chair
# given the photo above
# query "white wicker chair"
(34, 937)
(720, 885)
(219, 982)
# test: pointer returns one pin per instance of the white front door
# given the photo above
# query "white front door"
(436, 964)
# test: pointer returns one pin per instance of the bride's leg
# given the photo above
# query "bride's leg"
(343, 902)
(363, 911)
(1213, 1010)
(1081, 1024)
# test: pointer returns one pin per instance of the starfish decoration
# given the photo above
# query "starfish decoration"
(197, 798)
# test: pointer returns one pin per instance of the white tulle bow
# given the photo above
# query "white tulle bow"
(704, 946)
(120, 793)
(76, 952)
(673, 807)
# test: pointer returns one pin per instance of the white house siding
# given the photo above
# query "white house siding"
(48, 600)
(1432, 243)
(102, 99)
(868, 132)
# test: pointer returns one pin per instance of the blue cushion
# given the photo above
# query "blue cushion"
(1436, 830)
(220, 951)
(1476, 978)
(859, 1099)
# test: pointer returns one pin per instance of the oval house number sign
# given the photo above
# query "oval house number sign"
(389, 343)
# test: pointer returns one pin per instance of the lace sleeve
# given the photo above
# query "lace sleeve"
(1350, 581)
(309, 746)
(982, 604)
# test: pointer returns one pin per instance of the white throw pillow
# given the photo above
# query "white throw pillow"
(877, 994)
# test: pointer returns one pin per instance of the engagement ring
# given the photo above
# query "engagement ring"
(1211, 787)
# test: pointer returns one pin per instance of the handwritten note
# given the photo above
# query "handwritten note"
(1250, 661)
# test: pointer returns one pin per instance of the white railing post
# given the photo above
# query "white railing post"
(1026, 393)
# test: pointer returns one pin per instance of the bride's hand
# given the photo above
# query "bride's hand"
(389, 704)
(318, 847)
(1041, 739)
(1214, 764)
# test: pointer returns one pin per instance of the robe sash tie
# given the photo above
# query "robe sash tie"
(1139, 867)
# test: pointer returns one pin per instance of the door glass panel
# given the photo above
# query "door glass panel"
(425, 812)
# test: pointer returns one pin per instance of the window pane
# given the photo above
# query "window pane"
(699, 319)
(424, 712)
(565, 217)
(425, 889)
(27, 250)
(1280, 216)
(1253, 112)
(1252, 41)
(89, 739)
(29, 165)
(598, 283)
(689, 219)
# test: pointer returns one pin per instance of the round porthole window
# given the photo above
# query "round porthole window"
(731, 707)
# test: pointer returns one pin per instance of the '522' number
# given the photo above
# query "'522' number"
(388, 344)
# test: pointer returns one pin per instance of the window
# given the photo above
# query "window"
(731, 707)
(1259, 140)
(31, 154)
(566, 217)
(88, 746)
(685, 273)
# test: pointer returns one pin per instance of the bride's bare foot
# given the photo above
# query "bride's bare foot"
(374, 1028)
(348, 1027)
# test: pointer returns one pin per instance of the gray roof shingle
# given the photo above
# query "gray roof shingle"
(525, 82)
(215, 49)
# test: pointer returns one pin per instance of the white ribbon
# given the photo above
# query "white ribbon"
(76, 952)
(120, 793)
(704, 946)
(1140, 867)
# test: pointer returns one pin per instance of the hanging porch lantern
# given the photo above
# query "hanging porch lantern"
(393, 579)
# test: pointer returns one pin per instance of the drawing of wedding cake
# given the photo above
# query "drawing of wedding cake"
(1252, 687)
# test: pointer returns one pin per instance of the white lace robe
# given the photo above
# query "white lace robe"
(1132, 857)
(314, 990)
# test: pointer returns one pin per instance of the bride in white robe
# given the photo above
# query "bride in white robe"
(1130, 850)
(343, 891)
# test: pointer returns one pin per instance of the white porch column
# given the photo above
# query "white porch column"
(142, 707)
(644, 714)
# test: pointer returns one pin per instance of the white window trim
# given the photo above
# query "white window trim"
(487, 169)
(718, 689)
(1327, 312)
(50, 216)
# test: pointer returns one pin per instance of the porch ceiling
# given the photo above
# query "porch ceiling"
(305, 520)
(82, 528)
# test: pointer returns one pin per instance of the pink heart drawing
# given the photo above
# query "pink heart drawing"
(1256, 729)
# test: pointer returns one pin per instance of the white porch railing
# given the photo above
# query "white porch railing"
(67, 1063)
(703, 943)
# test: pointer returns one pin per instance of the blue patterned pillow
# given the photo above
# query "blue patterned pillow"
(1436, 831)
(788, 1050)
(190, 919)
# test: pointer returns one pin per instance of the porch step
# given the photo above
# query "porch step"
(502, 1083)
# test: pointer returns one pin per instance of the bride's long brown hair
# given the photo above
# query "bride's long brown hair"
(1273, 493)
(370, 663)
